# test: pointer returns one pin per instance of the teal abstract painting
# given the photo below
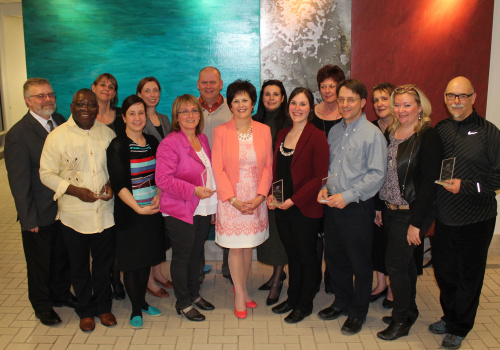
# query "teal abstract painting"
(71, 42)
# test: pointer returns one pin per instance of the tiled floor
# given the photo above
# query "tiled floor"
(19, 329)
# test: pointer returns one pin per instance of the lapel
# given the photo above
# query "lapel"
(37, 128)
(302, 142)
(152, 130)
(187, 146)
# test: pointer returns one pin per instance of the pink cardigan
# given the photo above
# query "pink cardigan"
(178, 172)
(225, 158)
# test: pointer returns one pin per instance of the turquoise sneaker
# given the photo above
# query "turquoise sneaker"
(152, 311)
(136, 322)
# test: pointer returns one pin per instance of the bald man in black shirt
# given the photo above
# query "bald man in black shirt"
(466, 211)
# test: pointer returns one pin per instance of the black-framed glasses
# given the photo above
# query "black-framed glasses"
(462, 97)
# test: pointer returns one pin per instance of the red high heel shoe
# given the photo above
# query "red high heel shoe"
(249, 304)
(240, 314)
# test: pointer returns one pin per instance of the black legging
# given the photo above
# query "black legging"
(136, 283)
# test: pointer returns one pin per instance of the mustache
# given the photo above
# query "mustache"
(457, 106)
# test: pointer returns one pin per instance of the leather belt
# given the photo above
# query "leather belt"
(397, 207)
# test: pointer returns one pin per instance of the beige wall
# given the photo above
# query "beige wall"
(13, 62)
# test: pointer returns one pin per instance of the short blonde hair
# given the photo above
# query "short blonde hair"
(176, 107)
(424, 118)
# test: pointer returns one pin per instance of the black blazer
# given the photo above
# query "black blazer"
(118, 158)
(23, 147)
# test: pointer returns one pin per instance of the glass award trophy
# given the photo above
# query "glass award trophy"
(277, 192)
(327, 183)
(447, 168)
(100, 191)
(206, 180)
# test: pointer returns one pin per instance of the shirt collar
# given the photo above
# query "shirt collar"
(43, 121)
(216, 105)
(354, 123)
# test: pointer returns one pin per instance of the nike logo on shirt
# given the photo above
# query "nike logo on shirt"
(472, 132)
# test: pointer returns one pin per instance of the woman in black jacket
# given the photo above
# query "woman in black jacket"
(414, 160)
(131, 165)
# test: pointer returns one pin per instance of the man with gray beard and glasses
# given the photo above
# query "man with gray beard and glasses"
(46, 258)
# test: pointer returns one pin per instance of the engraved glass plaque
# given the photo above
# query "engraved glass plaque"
(327, 182)
(277, 192)
(447, 169)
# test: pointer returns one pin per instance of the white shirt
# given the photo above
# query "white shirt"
(73, 156)
(43, 121)
(207, 206)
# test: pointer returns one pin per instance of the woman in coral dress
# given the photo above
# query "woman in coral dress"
(242, 164)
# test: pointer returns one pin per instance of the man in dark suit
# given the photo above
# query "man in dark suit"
(46, 257)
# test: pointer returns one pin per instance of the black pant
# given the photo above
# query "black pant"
(47, 266)
(188, 242)
(136, 283)
(92, 290)
(299, 235)
(459, 255)
(400, 263)
(348, 247)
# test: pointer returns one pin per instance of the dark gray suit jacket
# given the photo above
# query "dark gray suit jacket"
(23, 147)
(151, 130)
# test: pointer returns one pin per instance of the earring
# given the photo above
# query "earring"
(420, 116)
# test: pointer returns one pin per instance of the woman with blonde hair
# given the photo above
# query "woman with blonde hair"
(413, 164)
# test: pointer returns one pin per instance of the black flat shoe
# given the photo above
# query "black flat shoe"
(70, 301)
(328, 288)
(118, 291)
(203, 304)
(395, 330)
(388, 304)
(272, 301)
(352, 326)
(377, 296)
(296, 316)
(282, 308)
(330, 313)
(48, 318)
(191, 313)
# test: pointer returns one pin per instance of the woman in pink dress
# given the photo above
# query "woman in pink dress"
(242, 164)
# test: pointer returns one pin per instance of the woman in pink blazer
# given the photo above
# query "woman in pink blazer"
(184, 175)
(242, 161)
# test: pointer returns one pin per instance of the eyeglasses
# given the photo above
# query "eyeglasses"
(349, 100)
(81, 105)
(51, 95)
(186, 112)
(462, 97)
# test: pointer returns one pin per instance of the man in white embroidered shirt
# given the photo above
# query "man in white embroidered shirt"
(73, 165)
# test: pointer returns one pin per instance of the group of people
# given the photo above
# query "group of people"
(292, 180)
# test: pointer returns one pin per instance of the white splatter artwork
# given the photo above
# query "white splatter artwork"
(298, 37)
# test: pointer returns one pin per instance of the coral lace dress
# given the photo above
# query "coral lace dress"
(233, 229)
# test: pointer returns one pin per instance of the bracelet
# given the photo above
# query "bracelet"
(231, 200)
(264, 197)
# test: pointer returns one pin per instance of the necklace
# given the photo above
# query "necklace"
(245, 136)
(286, 154)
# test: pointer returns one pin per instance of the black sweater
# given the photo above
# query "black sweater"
(475, 142)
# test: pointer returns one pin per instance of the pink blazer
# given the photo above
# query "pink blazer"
(225, 158)
(178, 172)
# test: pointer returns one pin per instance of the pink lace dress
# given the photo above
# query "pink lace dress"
(233, 229)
